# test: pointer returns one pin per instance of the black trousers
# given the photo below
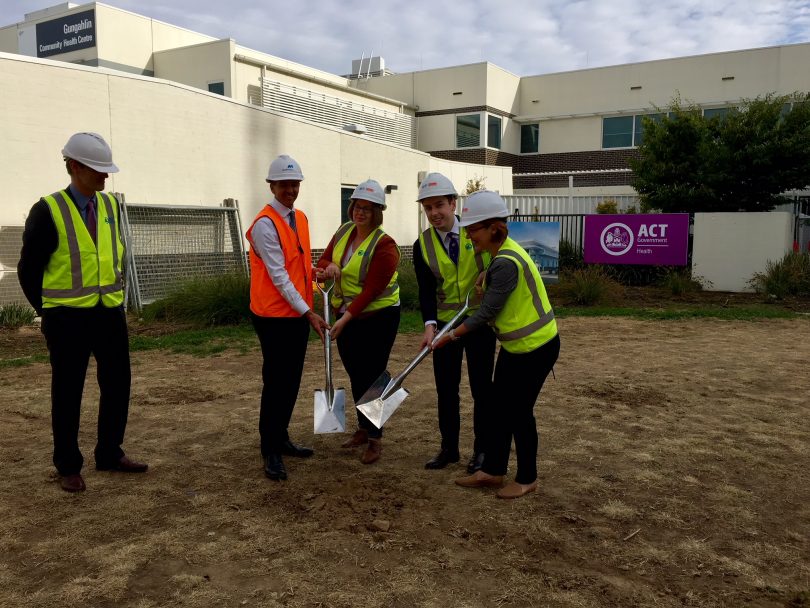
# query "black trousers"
(364, 346)
(72, 335)
(480, 348)
(284, 346)
(517, 384)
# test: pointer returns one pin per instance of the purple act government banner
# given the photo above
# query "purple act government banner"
(659, 239)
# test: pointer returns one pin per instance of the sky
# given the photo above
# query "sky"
(523, 37)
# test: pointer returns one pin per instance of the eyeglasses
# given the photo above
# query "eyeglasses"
(473, 228)
(364, 210)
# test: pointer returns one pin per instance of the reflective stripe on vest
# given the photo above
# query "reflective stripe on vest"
(353, 274)
(453, 281)
(81, 271)
(265, 298)
(527, 319)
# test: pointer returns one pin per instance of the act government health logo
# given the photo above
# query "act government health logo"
(616, 239)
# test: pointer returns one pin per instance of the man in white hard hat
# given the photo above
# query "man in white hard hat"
(70, 271)
(447, 268)
(281, 306)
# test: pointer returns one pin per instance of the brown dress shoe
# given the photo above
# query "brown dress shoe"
(479, 479)
(515, 490)
(372, 451)
(124, 465)
(359, 438)
(72, 483)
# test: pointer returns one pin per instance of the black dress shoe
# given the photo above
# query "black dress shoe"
(274, 467)
(288, 448)
(476, 462)
(442, 459)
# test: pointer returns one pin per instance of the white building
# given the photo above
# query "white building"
(194, 120)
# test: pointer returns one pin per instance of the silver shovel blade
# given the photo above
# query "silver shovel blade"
(330, 418)
(380, 410)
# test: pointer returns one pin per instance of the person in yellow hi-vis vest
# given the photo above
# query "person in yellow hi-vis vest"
(516, 305)
(447, 268)
(363, 261)
(70, 271)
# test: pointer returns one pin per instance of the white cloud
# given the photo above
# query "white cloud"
(523, 36)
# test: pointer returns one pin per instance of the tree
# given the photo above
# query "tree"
(740, 161)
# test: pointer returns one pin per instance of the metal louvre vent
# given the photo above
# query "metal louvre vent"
(168, 245)
(336, 112)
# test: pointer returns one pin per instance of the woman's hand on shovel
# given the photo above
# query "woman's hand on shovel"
(334, 332)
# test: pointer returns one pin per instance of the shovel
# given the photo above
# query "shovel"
(330, 403)
(386, 394)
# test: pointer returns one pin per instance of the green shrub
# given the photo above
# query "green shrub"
(15, 315)
(789, 276)
(607, 206)
(680, 281)
(587, 286)
(570, 257)
(408, 289)
(222, 300)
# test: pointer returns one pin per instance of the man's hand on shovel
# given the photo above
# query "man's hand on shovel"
(317, 322)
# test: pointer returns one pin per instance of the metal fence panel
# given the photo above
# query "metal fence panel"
(10, 244)
(535, 204)
(169, 244)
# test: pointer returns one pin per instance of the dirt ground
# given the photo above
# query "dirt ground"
(674, 471)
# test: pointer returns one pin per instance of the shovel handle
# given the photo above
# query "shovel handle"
(326, 288)
(396, 382)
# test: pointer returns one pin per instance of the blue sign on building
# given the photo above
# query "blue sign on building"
(71, 33)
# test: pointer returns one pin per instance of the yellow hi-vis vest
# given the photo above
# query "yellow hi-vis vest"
(81, 272)
(353, 274)
(453, 282)
(527, 321)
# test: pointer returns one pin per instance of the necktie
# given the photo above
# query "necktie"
(452, 246)
(91, 218)
(291, 216)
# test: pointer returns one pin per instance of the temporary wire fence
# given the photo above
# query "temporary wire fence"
(169, 244)
(10, 243)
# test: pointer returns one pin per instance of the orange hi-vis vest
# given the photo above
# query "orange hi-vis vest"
(265, 299)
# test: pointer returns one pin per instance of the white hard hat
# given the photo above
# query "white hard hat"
(284, 168)
(483, 205)
(91, 150)
(436, 184)
(370, 190)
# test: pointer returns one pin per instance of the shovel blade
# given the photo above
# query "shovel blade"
(379, 410)
(330, 417)
(376, 390)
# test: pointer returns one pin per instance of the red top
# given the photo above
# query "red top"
(383, 265)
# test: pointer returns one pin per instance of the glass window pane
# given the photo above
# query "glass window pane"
(529, 139)
(468, 131)
(715, 112)
(617, 132)
(216, 87)
(638, 129)
(494, 131)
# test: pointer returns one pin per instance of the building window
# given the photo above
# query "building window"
(216, 87)
(715, 112)
(529, 139)
(494, 131)
(617, 132)
(468, 131)
(638, 126)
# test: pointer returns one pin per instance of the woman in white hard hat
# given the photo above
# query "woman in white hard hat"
(516, 304)
(363, 261)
